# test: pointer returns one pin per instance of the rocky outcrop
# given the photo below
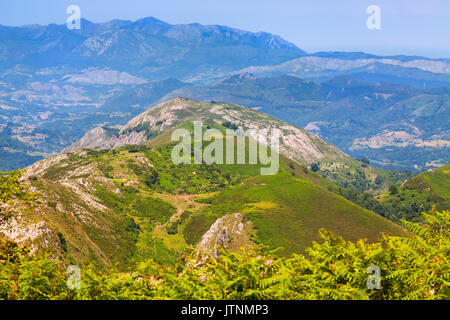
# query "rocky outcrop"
(297, 144)
(35, 235)
(222, 241)
(228, 232)
(97, 138)
(16, 224)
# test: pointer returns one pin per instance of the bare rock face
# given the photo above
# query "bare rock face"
(97, 138)
(27, 232)
(296, 143)
(228, 232)
(222, 241)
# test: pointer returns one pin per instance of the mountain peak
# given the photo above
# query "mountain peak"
(296, 143)
(150, 25)
(239, 78)
(151, 20)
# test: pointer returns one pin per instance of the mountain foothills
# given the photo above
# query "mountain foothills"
(295, 143)
(57, 84)
(125, 204)
(142, 227)
(395, 126)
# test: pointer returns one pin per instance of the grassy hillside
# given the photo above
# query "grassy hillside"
(287, 211)
(132, 203)
(435, 182)
(296, 144)
(332, 268)
(420, 193)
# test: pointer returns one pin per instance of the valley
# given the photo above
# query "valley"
(128, 205)
(390, 109)
(145, 160)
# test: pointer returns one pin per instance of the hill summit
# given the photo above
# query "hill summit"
(296, 143)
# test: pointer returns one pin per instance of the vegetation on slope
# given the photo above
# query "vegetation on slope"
(359, 176)
(421, 193)
(133, 203)
(288, 211)
(14, 196)
(411, 268)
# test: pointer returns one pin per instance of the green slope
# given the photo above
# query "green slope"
(434, 182)
(420, 193)
(132, 203)
(288, 211)
(296, 143)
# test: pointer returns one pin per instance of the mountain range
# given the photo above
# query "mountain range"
(57, 84)
(148, 47)
(395, 126)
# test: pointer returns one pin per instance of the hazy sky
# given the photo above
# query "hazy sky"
(413, 27)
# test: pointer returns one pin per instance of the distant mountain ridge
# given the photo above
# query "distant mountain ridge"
(395, 125)
(56, 84)
(147, 47)
(155, 50)
(416, 71)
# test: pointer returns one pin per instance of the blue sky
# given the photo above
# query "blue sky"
(413, 27)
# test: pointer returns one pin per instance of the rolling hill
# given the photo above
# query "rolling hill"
(419, 194)
(296, 144)
(132, 203)
(419, 72)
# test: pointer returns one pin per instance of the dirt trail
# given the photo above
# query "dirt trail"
(181, 202)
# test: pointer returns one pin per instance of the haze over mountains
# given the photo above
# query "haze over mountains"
(94, 117)
(149, 47)
(57, 84)
(396, 126)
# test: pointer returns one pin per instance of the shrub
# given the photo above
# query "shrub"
(413, 267)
